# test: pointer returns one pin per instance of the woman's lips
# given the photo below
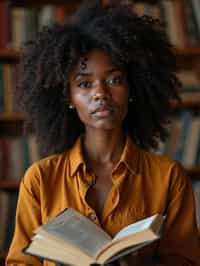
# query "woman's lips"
(103, 111)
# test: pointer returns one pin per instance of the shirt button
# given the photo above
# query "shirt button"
(92, 216)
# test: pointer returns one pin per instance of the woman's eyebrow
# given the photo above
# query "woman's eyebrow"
(80, 75)
(115, 69)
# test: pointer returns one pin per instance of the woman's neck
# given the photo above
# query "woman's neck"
(103, 146)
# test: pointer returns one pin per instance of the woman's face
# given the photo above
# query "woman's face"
(99, 91)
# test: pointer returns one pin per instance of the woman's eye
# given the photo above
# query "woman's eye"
(85, 84)
(115, 80)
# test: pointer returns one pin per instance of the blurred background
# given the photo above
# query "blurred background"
(21, 20)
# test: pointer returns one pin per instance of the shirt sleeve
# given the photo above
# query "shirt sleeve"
(180, 245)
(28, 217)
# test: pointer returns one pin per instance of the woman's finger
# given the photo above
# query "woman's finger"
(123, 262)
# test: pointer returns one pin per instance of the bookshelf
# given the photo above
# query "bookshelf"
(11, 123)
(9, 117)
(180, 52)
(3, 255)
(187, 104)
(70, 3)
(15, 120)
(9, 184)
(9, 54)
(188, 52)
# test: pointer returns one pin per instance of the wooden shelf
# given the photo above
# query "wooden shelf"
(194, 171)
(44, 2)
(9, 54)
(12, 117)
(9, 184)
(180, 52)
(189, 104)
(187, 52)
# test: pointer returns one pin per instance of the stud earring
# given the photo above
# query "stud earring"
(71, 106)
(130, 100)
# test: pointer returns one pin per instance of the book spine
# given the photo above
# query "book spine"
(4, 24)
(191, 144)
(185, 117)
(1, 89)
(191, 23)
(7, 90)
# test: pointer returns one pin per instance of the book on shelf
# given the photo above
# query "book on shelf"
(189, 78)
(191, 24)
(196, 189)
(9, 76)
(8, 202)
(16, 155)
(4, 24)
(191, 144)
(71, 238)
(19, 24)
(190, 96)
(4, 207)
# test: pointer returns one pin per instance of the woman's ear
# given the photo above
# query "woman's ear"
(71, 106)
(70, 103)
(67, 95)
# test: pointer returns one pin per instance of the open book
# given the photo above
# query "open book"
(71, 238)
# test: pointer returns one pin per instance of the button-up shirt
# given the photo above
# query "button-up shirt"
(143, 184)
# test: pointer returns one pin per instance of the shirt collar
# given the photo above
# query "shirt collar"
(129, 157)
(76, 156)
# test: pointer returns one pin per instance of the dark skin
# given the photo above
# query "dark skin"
(99, 94)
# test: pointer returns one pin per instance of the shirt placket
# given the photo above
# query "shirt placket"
(113, 198)
(85, 184)
(110, 204)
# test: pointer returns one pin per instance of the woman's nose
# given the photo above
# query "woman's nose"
(101, 92)
(100, 96)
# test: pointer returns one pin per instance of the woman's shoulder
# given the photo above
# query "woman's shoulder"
(164, 165)
(52, 159)
(158, 159)
(46, 167)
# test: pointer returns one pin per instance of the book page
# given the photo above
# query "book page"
(77, 230)
(127, 242)
(135, 227)
(140, 232)
(49, 249)
(129, 250)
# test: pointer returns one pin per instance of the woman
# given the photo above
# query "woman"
(97, 92)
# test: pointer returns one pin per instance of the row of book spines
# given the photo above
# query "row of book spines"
(9, 76)
(181, 18)
(18, 24)
(190, 80)
(16, 155)
(196, 189)
(183, 143)
(8, 203)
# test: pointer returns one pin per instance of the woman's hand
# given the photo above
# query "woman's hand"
(133, 260)
(129, 260)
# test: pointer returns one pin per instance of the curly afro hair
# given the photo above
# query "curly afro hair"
(139, 44)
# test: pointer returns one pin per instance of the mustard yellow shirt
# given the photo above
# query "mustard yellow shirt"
(143, 184)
